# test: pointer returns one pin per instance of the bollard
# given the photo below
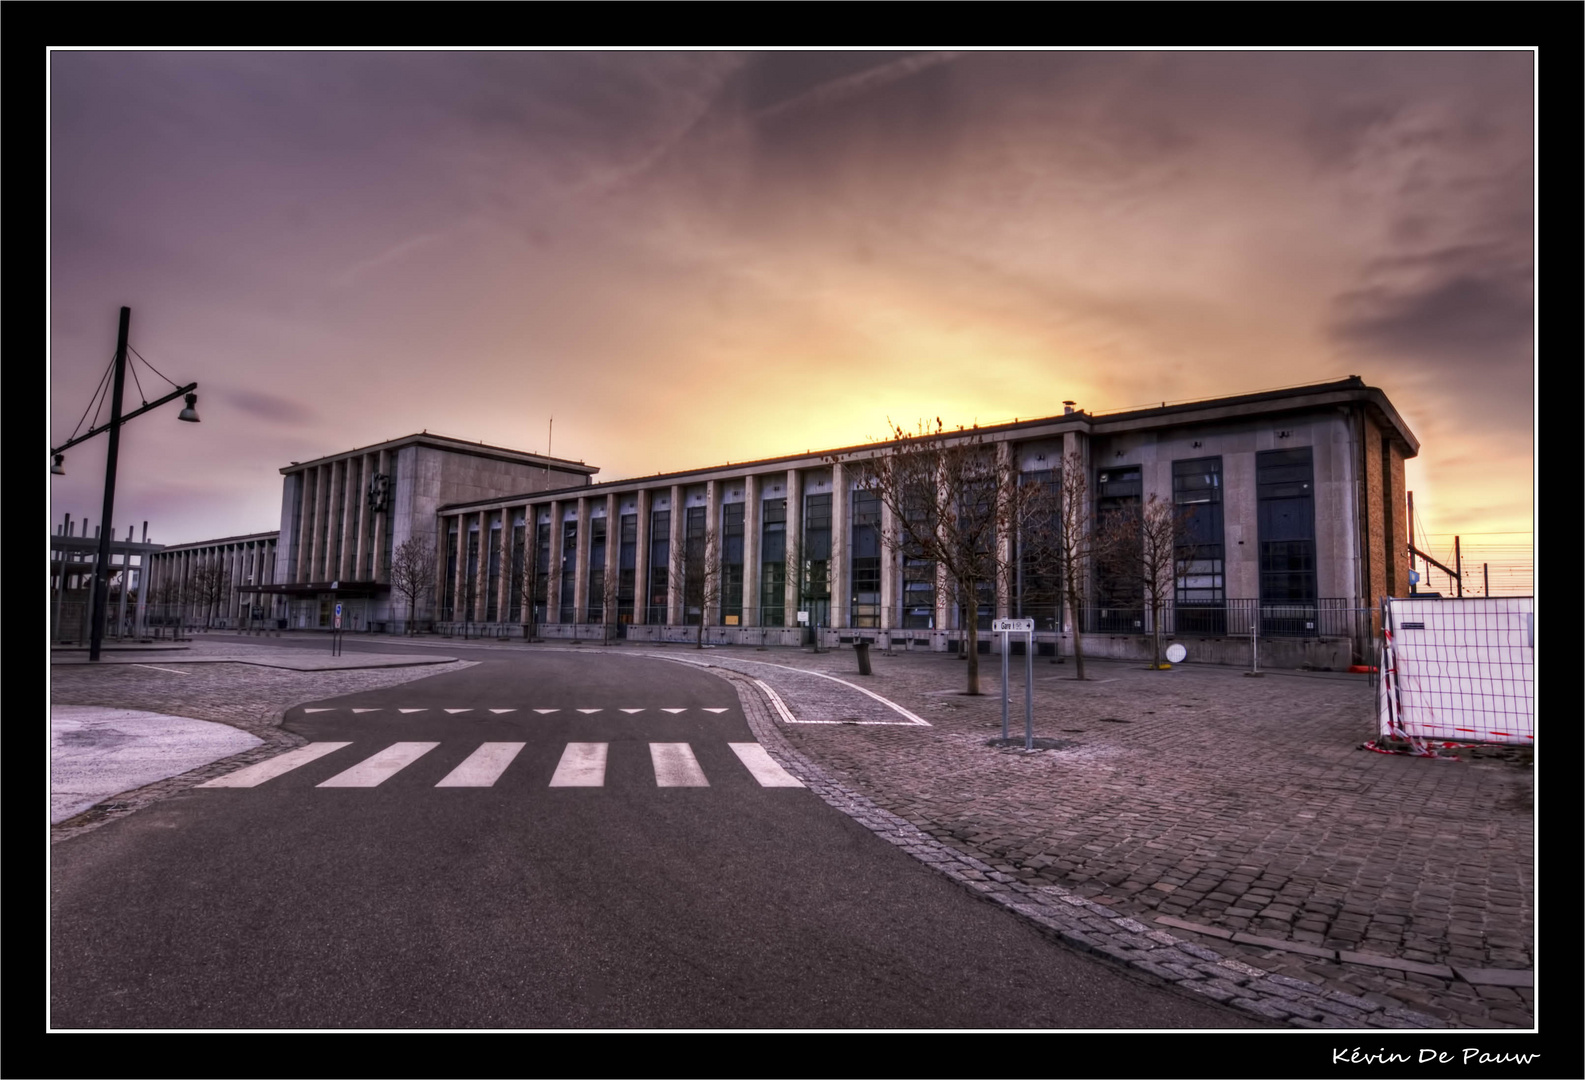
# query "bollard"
(862, 649)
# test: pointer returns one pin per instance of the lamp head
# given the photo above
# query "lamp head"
(55, 467)
(190, 414)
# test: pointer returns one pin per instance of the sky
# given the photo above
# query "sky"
(688, 258)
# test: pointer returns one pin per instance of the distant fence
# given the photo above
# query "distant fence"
(1458, 670)
(1329, 617)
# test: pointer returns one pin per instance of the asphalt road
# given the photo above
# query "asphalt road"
(421, 903)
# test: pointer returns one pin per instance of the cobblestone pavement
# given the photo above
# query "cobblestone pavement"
(203, 685)
(1233, 812)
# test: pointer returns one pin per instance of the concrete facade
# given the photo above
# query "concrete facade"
(220, 584)
(1345, 438)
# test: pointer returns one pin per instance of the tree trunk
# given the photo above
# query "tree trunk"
(1155, 618)
(1078, 640)
(973, 620)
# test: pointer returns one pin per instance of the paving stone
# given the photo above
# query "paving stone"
(1495, 976)
(1395, 964)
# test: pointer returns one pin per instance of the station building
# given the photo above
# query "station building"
(1298, 499)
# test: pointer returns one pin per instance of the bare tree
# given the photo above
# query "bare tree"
(1075, 547)
(1153, 541)
(951, 498)
(698, 578)
(209, 584)
(412, 573)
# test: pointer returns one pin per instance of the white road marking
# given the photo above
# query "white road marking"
(675, 765)
(764, 768)
(484, 766)
(776, 702)
(365, 710)
(674, 711)
(907, 716)
(630, 712)
(404, 712)
(254, 775)
(588, 711)
(172, 670)
(382, 766)
(715, 710)
(542, 712)
(500, 711)
(318, 710)
(582, 765)
(454, 712)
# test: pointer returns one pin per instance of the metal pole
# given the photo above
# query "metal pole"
(1485, 580)
(102, 563)
(1458, 566)
(1005, 637)
(1412, 587)
(1029, 690)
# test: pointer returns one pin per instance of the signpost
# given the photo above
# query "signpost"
(335, 632)
(1007, 628)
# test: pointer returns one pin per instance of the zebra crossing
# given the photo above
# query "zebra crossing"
(582, 765)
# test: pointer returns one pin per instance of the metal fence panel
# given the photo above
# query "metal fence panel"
(1459, 670)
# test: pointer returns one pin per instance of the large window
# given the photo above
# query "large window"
(732, 564)
(596, 603)
(693, 565)
(1200, 597)
(626, 566)
(919, 573)
(1285, 492)
(1120, 582)
(773, 562)
(470, 581)
(866, 560)
(655, 612)
(492, 573)
(816, 592)
(1038, 583)
(541, 570)
(448, 587)
(514, 588)
(567, 612)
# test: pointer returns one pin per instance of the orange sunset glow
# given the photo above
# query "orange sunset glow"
(688, 258)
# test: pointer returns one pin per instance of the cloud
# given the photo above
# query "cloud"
(1466, 316)
(268, 407)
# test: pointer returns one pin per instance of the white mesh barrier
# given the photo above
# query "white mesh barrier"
(1458, 670)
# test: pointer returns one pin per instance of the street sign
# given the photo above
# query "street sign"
(1012, 626)
(338, 616)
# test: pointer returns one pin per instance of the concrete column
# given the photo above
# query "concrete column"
(613, 563)
(641, 562)
(360, 554)
(795, 518)
(382, 522)
(841, 535)
(890, 577)
(459, 577)
(344, 524)
(553, 571)
(481, 581)
(503, 582)
(1006, 470)
(304, 533)
(238, 578)
(710, 609)
(751, 538)
(121, 600)
(321, 555)
(580, 582)
(674, 579)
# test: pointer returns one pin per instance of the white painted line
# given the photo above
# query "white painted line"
(764, 768)
(892, 705)
(484, 766)
(365, 710)
(404, 712)
(498, 712)
(542, 712)
(382, 766)
(776, 703)
(715, 710)
(254, 775)
(630, 712)
(582, 765)
(454, 712)
(173, 671)
(675, 765)
(674, 711)
(586, 712)
(318, 710)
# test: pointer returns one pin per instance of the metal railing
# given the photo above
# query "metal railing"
(1331, 617)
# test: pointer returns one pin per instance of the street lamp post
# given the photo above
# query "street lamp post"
(102, 560)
